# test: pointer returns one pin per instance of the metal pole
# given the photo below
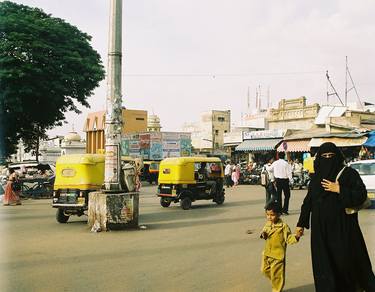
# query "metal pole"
(113, 120)
(346, 80)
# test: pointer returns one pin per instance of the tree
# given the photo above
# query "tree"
(47, 67)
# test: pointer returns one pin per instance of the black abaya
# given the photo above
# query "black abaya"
(339, 255)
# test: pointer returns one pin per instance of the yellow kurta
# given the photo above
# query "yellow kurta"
(273, 259)
(279, 235)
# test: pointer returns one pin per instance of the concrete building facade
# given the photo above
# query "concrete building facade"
(207, 135)
(133, 121)
(293, 114)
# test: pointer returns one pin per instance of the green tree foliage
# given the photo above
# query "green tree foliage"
(47, 67)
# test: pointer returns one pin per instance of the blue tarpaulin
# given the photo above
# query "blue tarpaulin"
(371, 140)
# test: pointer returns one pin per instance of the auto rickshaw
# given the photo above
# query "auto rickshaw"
(76, 176)
(187, 179)
(150, 171)
(79, 174)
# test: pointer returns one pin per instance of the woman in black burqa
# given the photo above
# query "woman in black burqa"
(339, 256)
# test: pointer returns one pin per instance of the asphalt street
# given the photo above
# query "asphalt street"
(206, 248)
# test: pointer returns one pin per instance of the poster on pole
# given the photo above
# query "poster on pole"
(112, 164)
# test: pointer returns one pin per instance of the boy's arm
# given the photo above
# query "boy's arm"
(289, 237)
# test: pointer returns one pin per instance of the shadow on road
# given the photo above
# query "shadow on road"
(304, 288)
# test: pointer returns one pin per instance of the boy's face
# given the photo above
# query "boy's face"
(272, 216)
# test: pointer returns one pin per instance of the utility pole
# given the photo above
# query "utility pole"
(113, 120)
(117, 205)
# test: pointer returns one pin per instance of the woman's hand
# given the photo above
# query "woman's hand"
(329, 186)
(299, 231)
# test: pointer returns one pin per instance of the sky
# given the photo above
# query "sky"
(181, 58)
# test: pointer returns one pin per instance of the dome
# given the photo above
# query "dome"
(72, 136)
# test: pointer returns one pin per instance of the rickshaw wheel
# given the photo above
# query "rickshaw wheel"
(185, 203)
(60, 216)
(164, 203)
(220, 200)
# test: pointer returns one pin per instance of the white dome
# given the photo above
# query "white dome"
(72, 136)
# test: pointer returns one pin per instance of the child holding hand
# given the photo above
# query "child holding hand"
(277, 235)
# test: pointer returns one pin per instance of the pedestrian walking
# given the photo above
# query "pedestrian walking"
(277, 235)
(236, 175)
(283, 175)
(12, 190)
(228, 175)
(268, 181)
(338, 251)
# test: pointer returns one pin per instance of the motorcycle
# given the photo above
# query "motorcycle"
(300, 181)
(250, 177)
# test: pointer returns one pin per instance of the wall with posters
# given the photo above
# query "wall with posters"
(156, 145)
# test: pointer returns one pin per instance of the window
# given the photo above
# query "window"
(216, 132)
(140, 119)
(221, 119)
(364, 168)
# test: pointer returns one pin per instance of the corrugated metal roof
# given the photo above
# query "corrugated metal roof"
(258, 145)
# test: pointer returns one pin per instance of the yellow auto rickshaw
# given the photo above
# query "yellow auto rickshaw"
(187, 179)
(150, 171)
(79, 174)
(76, 176)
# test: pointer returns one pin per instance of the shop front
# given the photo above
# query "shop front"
(350, 144)
(295, 149)
(260, 145)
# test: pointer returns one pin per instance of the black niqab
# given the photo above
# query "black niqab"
(328, 168)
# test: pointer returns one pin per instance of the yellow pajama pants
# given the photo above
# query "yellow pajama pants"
(274, 270)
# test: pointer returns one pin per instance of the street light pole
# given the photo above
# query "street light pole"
(115, 206)
(113, 120)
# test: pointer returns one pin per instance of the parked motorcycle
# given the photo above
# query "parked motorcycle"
(300, 182)
(250, 177)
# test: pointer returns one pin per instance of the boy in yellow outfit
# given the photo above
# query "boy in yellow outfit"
(277, 235)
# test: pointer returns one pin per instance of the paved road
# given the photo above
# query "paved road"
(202, 249)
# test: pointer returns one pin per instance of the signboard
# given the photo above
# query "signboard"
(125, 147)
(156, 151)
(171, 145)
(266, 134)
(170, 136)
(144, 141)
(185, 147)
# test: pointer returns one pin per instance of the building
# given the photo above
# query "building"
(133, 121)
(293, 114)
(72, 144)
(234, 138)
(207, 135)
(153, 124)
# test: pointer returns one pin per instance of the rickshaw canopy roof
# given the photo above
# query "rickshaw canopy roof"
(81, 159)
(192, 159)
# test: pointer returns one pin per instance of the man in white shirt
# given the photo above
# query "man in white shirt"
(228, 174)
(283, 174)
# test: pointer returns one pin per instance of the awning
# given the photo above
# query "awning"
(371, 140)
(340, 142)
(294, 146)
(258, 145)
